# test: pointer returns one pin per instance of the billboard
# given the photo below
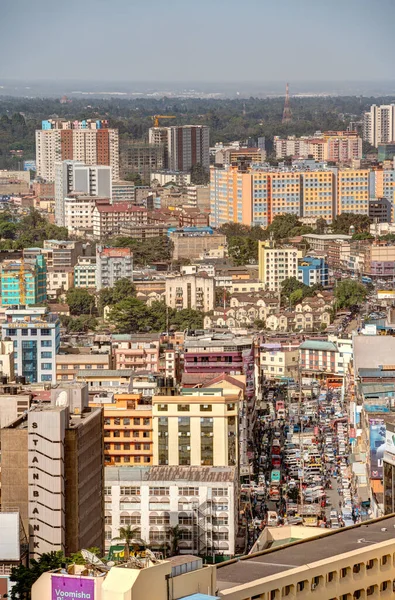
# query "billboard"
(385, 294)
(72, 587)
(29, 165)
(390, 438)
(377, 446)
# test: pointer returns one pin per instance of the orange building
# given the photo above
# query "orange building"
(127, 429)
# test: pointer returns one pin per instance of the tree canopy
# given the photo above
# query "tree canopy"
(349, 293)
(31, 230)
(145, 252)
(132, 315)
(343, 222)
(80, 301)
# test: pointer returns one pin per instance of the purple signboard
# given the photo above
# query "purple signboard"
(77, 588)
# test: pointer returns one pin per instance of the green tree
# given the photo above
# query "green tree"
(82, 323)
(343, 222)
(80, 301)
(290, 285)
(76, 558)
(320, 226)
(130, 315)
(199, 175)
(282, 226)
(123, 288)
(136, 178)
(260, 324)
(296, 296)
(349, 293)
(362, 236)
(243, 250)
(128, 535)
(24, 577)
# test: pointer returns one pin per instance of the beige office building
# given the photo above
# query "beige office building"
(52, 471)
(199, 428)
(276, 264)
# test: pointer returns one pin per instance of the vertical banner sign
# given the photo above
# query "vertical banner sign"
(76, 588)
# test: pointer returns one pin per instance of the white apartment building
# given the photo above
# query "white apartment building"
(276, 264)
(379, 124)
(85, 272)
(58, 282)
(190, 291)
(83, 141)
(202, 501)
(199, 428)
(73, 176)
(113, 264)
(78, 212)
(181, 178)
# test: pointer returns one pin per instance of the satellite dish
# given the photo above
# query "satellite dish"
(61, 400)
(92, 558)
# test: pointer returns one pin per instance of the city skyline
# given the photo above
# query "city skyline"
(289, 41)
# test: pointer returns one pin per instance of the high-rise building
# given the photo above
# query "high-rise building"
(36, 337)
(73, 176)
(127, 429)
(276, 264)
(23, 281)
(380, 210)
(141, 158)
(52, 471)
(113, 264)
(379, 124)
(353, 191)
(91, 142)
(198, 428)
(185, 145)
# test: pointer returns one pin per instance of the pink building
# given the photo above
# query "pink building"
(139, 352)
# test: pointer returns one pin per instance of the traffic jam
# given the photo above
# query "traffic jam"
(302, 471)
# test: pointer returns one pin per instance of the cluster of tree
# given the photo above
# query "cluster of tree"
(350, 293)
(243, 240)
(24, 577)
(343, 222)
(132, 315)
(145, 252)
(228, 119)
(293, 291)
(30, 230)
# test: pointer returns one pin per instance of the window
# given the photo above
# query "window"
(126, 421)
(46, 355)
(46, 343)
(183, 407)
(384, 586)
(117, 459)
(137, 459)
(331, 576)
(108, 520)
(117, 446)
(130, 520)
(146, 421)
(300, 586)
(107, 490)
(147, 459)
(385, 559)
(146, 446)
(159, 491)
(116, 433)
(220, 491)
(137, 446)
(46, 366)
(162, 407)
(206, 407)
(126, 446)
(370, 564)
(46, 377)
(117, 421)
(136, 434)
(126, 459)
(126, 434)
(136, 421)
(130, 491)
(188, 491)
(146, 434)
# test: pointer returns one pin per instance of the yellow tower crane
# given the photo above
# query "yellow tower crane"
(157, 118)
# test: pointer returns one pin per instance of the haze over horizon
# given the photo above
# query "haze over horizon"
(210, 41)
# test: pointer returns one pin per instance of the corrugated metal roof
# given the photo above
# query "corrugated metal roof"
(317, 345)
(189, 474)
(105, 372)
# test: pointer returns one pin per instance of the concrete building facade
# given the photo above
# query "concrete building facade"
(113, 264)
(190, 291)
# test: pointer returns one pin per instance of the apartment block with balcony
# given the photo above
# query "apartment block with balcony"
(276, 264)
(127, 429)
(107, 218)
(85, 272)
(190, 291)
(113, 264)
(353, 191)
(202, 501)
(279, 360)
(137, 352)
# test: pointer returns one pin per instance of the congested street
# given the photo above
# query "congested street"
(301, 467)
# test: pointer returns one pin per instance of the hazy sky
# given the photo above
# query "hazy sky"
(197, 40)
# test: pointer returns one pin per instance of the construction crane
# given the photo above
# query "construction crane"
(157, 118)
(22, 283)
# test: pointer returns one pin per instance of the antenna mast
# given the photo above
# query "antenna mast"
(287, 113)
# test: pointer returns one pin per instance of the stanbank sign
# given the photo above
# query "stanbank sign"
(72, 588)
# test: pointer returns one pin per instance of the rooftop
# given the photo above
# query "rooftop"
(101, 373)
(318, 345)
(291, 556)
(327, 236)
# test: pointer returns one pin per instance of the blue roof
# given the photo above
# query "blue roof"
(200, 597)
(318, 345)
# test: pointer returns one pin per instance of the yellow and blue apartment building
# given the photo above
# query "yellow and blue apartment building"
(318, 194)
(285, 193)
(383, 184)
(230, 196)
(353, 191)
(23, 282)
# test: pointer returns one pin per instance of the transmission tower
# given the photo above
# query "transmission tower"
(287, 114)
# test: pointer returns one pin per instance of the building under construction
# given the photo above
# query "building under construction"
(23, 281)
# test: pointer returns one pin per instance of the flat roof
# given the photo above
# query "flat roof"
(101, 373)
(273, 561)
(327, 236)
(318, 345)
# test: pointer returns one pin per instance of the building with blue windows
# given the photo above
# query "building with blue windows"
(313, 270)
(35, 333)
(23, 281)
